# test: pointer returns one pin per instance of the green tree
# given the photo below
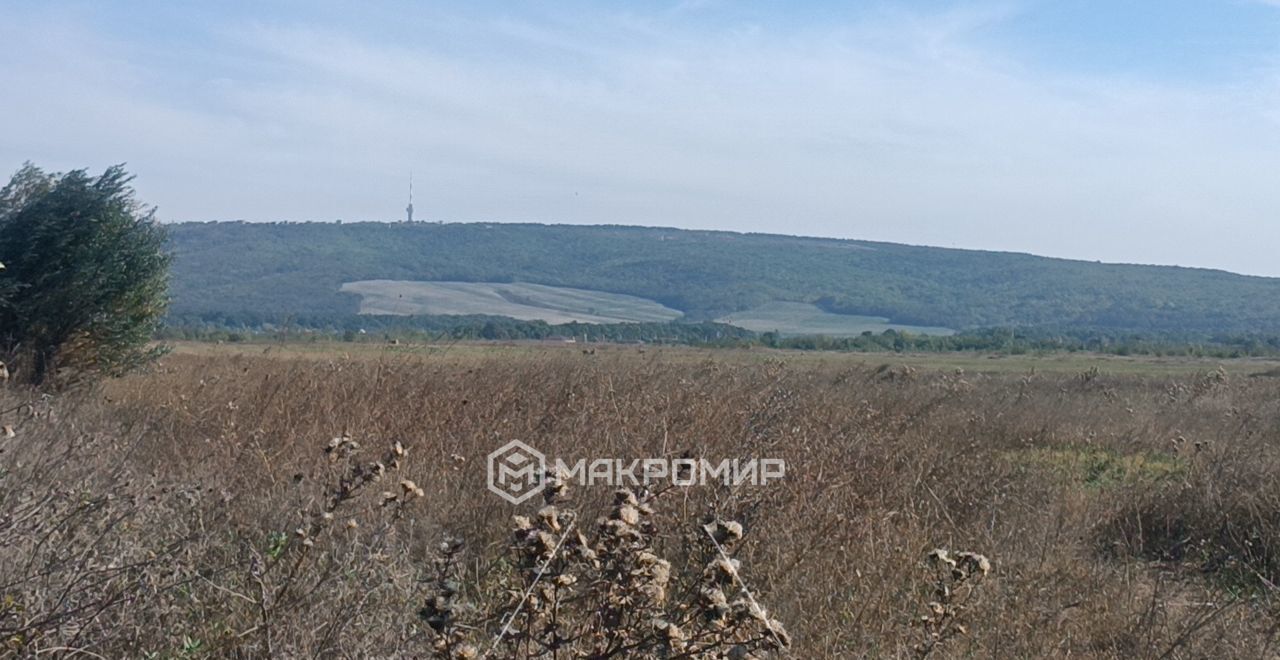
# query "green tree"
(85, 277)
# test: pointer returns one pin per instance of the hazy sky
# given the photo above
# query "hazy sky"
(1138, 131)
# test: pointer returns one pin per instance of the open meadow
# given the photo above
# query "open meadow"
(259, 500)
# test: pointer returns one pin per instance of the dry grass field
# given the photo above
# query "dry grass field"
(311, 502)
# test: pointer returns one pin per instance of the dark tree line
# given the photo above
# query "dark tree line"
(1010, 341)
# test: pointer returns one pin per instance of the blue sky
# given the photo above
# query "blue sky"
(1118, 131)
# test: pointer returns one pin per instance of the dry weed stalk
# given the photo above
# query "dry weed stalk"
(607, 595)
(955, 580)
(280, 572)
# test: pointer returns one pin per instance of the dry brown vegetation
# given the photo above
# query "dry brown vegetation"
(255, 506)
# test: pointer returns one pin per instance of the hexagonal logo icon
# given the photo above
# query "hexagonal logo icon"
(516, 471)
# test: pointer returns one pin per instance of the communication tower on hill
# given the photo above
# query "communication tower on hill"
(408, 210)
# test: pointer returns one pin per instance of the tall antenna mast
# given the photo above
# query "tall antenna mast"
(409, 209)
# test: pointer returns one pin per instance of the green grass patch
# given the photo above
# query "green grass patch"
(1100, 468)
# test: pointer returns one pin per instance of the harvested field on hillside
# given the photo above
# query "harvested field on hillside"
(255, 505)
(526, 302)
(796, 318)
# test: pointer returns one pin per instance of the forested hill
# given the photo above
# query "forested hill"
(248, 270)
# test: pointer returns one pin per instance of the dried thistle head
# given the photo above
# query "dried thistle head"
(410, 490)
(714, 605)
(626, 534)
(721, 571)
(724, 532)
(451, 545)
(625, 496)
(341, 447)
(972, 563)
(745, 608)
(542, 543)
(555, 486)
(627, 514)
(940, 557)
(650, 577)
(549, 516)
(521, 523)
(671, 634)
